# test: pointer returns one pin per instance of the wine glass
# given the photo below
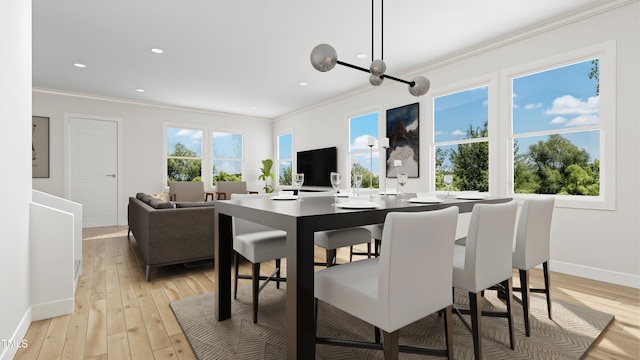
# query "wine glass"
(448, 180)
(298, 180)
(402, 181)
(336, 178)
(357, 181)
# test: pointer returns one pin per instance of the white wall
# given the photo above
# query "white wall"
(598, 244)
(142, 142)
(15, 178)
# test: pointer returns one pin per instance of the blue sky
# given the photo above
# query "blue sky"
(361, 128)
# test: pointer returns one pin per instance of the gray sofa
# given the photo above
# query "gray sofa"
(168, 235)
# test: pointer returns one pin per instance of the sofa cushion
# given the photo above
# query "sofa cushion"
(186, 204)
(157, 204)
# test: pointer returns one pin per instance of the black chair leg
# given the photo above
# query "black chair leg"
(315, 317)
(369, 250)
(351, 253)
(236, 260)
(255, 281)
(475, 302)
(547, 286)
(526, 299)
(448, 330)
(508, 285)
(278, 273)
(376, 334)
(391, 345)
(331, 257)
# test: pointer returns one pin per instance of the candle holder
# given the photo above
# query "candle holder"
(370, 170)
(397, 164)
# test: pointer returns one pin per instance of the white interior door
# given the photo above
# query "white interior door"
(93, 170)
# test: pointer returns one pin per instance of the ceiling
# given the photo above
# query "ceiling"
(249, 57)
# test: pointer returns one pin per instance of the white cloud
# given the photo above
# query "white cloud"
(558, 120)
(439, 132)
(360, 142)
(583, 120)
(532, 106)
(185, 132)
(570, 105)
(458, 133)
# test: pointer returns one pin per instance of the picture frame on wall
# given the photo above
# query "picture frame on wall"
(40, 147)
(403, 131)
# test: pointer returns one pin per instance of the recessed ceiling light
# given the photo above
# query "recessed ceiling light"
(361, 56)
(253, 107)
(78, 65)
(157, 50)
(302, 83)
(140, 90)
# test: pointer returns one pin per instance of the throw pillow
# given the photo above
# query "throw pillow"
(159, 196)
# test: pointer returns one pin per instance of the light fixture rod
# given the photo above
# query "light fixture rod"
(381, 29)
(410, 83)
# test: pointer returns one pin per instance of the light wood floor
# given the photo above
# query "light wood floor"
(118, 315)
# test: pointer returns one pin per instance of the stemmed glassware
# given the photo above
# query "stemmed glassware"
(357, 181)
(448, 180)
(402, 181)
(298, 180)
(336, 178)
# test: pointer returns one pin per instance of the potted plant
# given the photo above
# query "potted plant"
(267, 164)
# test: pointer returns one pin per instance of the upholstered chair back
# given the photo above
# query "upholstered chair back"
(533, 233)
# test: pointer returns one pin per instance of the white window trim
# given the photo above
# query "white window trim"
(207, 150)
(382, 131)
(606, 52)
(491, 82)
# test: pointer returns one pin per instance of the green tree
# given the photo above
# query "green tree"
(441, 169)
(285, 177)
(595, 74)
(223, 176)
(471, 162)
(183, 169)
(524, 179)
(366, 176)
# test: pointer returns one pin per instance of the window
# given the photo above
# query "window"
(285, 158)
(556, 130)
(227, 154)
(184, 154)
(362, 159)
(461, 139)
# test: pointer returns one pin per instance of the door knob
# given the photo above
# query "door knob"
(112, 175)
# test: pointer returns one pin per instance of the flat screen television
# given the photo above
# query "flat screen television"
(317, 165)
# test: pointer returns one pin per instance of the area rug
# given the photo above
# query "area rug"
(568, 336)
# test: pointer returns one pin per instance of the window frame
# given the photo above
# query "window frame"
(606, 52)
(213, 130)
(493, 128)
(165, 149)
(381, 122)
(278, 158)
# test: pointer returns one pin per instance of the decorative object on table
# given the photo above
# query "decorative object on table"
(298, 180)
(336, 178)
(266, 173)
(371, 142)
(383, 144)
(324, 58)
(397, 163)
(403, 132)
(40, 147)
(402, 181)
(448, 180)
(354, 162)
(357, 181)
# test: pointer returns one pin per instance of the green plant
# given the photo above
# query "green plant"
(267, 164)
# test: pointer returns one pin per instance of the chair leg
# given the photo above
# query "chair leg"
(526, 300)
(391, 345)
(378, 244)
(448, 330)
(376, 334)
(148, 274)
(315, 317)
(255, 281)
(547, 286)
(236, 260)
(369, 250)
(331, 257)
(475, 302)
(278, 273)
(351, 253)
(508, 284)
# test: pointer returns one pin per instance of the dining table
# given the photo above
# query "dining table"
(300, 218)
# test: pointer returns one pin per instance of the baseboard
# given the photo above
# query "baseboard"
(609, 276)
(9, 347)
(52, 309)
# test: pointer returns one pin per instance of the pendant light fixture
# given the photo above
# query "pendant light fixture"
(324, 58)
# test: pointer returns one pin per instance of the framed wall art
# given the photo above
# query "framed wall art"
(40, 147)
(403, 131)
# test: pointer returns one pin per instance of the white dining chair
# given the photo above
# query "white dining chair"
(377, 291)
(257, 243)
(331, 240)
(532, 248)
(485, 261)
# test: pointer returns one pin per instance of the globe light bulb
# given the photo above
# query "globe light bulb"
(324, 57)
(378, 67)
(420, 86)
(375, 80)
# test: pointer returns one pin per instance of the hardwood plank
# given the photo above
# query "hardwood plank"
(119, 346)
(158, 337)
(115, 313)
(168, 319)
(55, 338)
(111, 277)
(182, 347)
(139, 345)
(35, 338)
(97, 329)
(165, 353)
